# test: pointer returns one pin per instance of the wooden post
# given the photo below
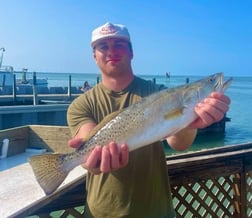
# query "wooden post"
(34, 89)
(3, 81)
(14, 90)
(154, 80)
(69, 87)
(24, 81)
(34, 78)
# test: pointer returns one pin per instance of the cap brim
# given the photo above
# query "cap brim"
(94, 43)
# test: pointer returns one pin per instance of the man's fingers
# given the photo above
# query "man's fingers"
(108, 157)
(94, 159)
(124, 157)
(105, 160)
(221, 97)
(114, 151)
(75, 142)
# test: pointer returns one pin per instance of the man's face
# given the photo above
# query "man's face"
(113, 56)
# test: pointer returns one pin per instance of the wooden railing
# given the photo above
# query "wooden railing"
(211, 183)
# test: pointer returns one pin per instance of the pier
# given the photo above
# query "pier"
(28, 95)
(33, 91)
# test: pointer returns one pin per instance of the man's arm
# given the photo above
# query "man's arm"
(183, 139)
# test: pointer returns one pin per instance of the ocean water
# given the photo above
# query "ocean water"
(239, 130)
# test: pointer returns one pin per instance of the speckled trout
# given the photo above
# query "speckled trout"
(153, 118)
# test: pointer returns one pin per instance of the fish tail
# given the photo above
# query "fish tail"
(49, 171)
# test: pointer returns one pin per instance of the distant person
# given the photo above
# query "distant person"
(85, 87)
(168, 75)
(120, 184)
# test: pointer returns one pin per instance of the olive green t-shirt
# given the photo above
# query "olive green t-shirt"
(141, 189)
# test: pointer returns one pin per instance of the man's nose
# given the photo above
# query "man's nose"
(112, 50)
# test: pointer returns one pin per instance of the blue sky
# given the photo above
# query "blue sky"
(185, 37)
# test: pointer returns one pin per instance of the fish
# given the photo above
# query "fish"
(151, 119)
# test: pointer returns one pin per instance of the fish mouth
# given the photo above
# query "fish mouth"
(222, 85)
(226, 84)
(219, 81)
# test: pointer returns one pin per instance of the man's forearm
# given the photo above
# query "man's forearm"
(183, 139)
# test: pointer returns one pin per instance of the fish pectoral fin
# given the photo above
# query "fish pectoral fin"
(49, 171)
(174, 113)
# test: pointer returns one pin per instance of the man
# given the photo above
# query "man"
(120, 184)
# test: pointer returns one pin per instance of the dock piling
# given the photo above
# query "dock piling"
(69, 88)
(34, 89)
(14, 90)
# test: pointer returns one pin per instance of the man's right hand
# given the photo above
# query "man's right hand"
(104, 158)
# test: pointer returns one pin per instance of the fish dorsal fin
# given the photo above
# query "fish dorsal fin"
(101, 124)
(174, 113)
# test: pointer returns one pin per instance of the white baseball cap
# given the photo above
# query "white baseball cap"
(109, 30)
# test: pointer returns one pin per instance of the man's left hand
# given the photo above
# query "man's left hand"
(212, 109)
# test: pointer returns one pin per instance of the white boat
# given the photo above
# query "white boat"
(8, 76)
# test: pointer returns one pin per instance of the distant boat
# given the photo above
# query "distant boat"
(7, 78)
(7, 75)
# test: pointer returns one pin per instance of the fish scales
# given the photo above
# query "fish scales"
(153, 118)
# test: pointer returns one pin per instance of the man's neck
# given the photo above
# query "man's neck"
(119, 83)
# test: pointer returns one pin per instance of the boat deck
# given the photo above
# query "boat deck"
(13, 161)
(19, 189)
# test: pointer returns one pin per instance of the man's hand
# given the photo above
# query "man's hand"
(212, 109)
(104, 158)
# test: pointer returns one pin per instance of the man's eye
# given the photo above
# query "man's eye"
(102, 47)
(120, 45)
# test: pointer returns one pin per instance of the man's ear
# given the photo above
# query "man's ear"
(132, 55)
(131, 51)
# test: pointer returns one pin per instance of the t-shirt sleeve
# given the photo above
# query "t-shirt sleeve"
(78, 113)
